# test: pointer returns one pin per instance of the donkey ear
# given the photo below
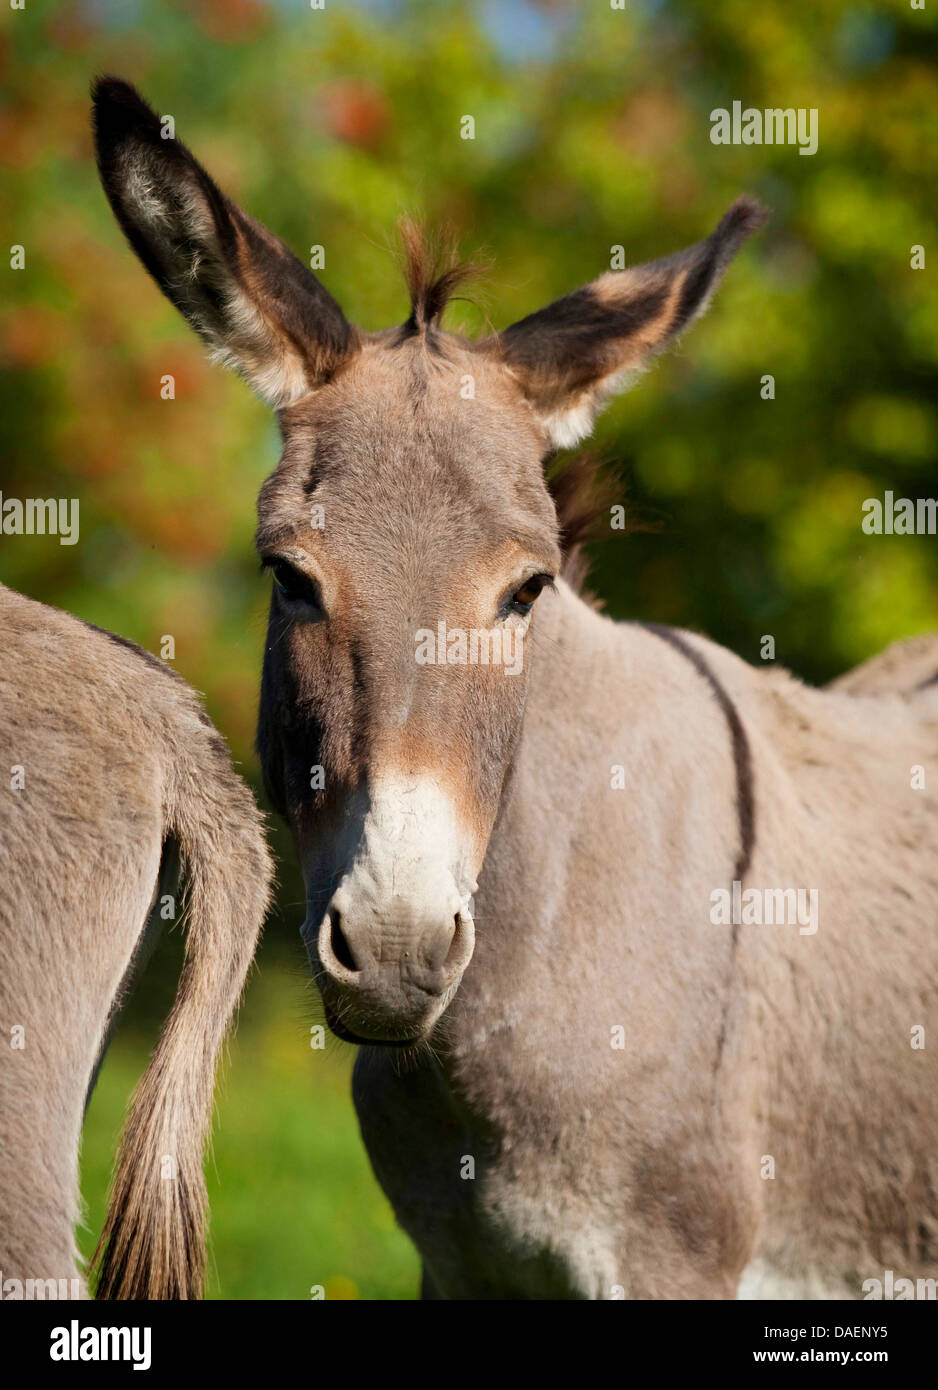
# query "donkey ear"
(258, 308)
(570, 356)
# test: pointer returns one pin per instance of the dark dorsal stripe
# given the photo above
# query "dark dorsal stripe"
(142, 652)
(157, 665)
(742, 756)
(932, 680)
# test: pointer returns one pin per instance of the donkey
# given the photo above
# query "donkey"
(904, 666)
(576, 1077)
(111, 768)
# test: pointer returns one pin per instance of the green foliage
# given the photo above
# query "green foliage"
(592, 130)
(328, 124)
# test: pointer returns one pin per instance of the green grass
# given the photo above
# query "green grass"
(293, 1200)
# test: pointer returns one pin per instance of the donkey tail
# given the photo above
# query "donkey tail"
(153, 1242)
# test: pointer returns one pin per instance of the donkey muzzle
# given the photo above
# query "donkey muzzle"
(387, 977)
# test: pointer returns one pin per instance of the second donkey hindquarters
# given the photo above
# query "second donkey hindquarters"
(117, 761)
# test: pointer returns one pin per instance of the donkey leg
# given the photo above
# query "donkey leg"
(41, 1089)
(40, 1119)
(37, 1252)
(55, 1001)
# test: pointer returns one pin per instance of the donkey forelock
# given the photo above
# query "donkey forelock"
(433, 272)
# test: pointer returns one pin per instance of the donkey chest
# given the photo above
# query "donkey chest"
(492, 1211)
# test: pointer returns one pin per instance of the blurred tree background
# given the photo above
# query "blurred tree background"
(592, 129)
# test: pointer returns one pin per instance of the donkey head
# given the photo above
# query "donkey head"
(409, 532)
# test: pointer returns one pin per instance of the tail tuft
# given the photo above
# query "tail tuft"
(153, 1242)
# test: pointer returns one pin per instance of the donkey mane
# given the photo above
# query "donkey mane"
(583, 487)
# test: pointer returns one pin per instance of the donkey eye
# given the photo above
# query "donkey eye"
(523, 600)
(292, 584)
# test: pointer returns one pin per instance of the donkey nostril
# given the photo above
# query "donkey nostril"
(340, 947)
(456, 944)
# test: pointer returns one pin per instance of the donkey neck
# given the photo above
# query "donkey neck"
(623, 744)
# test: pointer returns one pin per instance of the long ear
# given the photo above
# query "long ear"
(258, 308)
(570, 356)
